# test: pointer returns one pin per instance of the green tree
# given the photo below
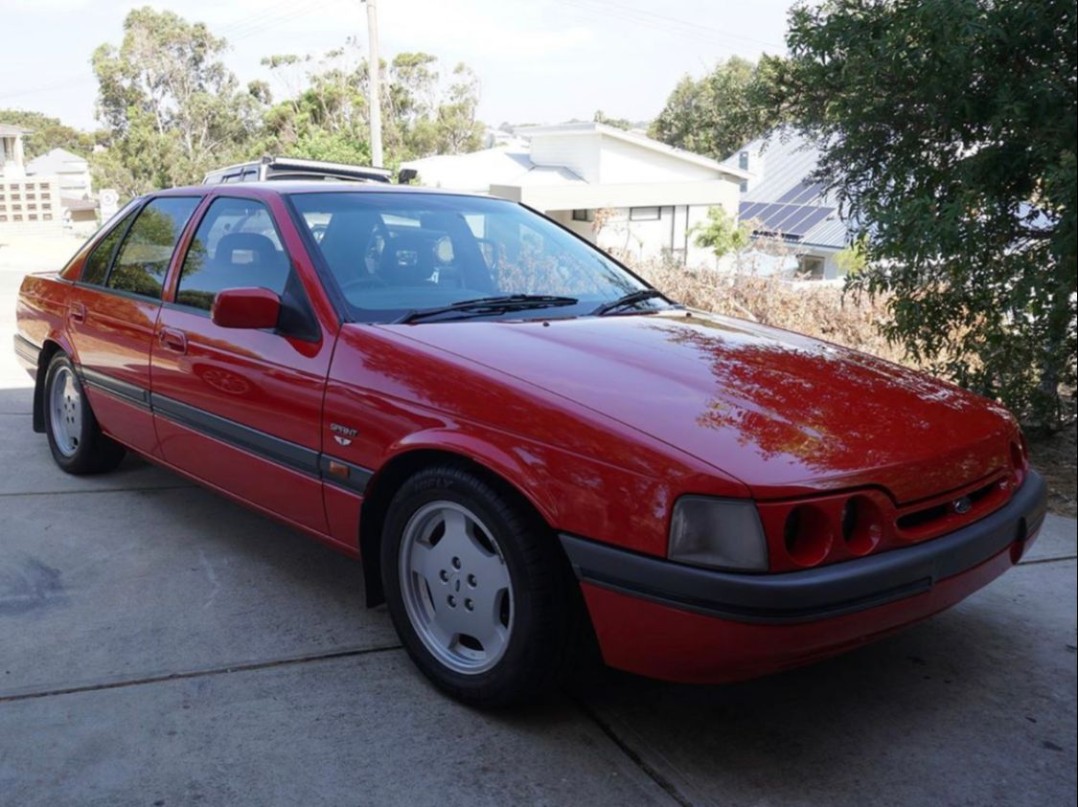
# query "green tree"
(722, 111)
(327, 116)
(171, 107)
(427, 117)
(47, 133)
(721, 233)
(618, 123)
(950, 127)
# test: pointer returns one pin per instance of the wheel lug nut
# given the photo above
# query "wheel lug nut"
(456, 563)
(469, 605)
(443, 575)
(472, 581)
(452, 601)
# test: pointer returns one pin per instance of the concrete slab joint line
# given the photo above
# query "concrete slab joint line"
(224, 670)
(669, 787)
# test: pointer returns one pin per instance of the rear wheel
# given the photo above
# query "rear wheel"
(476, 588)
(76, 441)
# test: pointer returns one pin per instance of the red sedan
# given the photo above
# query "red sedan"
(526, 444)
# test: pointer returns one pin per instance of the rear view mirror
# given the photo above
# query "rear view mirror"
(254, 308)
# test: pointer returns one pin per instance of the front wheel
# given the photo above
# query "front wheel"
(476, 588)
(76, 441)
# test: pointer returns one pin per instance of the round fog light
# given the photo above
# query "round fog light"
(862, 525)
(808, 535)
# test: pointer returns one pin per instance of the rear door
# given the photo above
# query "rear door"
(241, 409)
(112, 314)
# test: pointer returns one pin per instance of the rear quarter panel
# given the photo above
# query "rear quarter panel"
(41, 307)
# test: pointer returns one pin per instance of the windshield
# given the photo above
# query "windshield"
(395, 254)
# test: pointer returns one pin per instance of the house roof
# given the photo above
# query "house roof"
(636, 138)
(782, 198)
(510, 172)
(57, 161)
(479, 170)
(7, 130)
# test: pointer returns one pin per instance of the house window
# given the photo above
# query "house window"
(743, 161)
(644, 213)
(583, 215)
(810, 266)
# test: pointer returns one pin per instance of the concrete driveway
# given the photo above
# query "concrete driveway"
(162, 646)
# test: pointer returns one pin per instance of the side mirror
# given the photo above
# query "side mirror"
(246, 308)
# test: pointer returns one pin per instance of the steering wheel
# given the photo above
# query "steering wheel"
(363, 282)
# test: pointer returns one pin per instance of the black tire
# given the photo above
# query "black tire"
(527, 639)
(78, 446)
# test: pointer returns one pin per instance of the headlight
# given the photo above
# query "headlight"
(720, 533)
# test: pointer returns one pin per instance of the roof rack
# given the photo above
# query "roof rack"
(284, 168)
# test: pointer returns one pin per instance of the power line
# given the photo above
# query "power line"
(605, 9)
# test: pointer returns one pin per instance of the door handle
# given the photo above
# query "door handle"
(76, 312)
(173, 340)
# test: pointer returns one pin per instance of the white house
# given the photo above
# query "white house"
(786, 207)
(71, 171)
(620, 190)
(71, 174)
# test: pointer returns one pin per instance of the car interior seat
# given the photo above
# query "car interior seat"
(348, 240)
(249, 259)
(408, 260)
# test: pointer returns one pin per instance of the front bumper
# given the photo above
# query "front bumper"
(678, 622)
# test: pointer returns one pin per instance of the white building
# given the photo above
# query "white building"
(620, 190)
(25, 201)
(71, 170)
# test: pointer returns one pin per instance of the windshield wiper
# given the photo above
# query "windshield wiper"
(489, 305)
(632, 298)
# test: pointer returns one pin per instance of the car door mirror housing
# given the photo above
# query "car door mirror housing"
(252, 308)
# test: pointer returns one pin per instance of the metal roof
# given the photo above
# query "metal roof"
(781, 196)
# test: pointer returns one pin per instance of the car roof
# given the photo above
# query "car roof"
(282, 187)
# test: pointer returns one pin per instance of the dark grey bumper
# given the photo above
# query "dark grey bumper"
(841, 588)
(27, 352)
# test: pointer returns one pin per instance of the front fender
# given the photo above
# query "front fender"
(506, 458)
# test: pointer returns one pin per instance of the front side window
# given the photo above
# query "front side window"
(236, 245)
(394, 253)
(143, 260)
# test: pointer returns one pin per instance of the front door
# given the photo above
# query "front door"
(241, 409)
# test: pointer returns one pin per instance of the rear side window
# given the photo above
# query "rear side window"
(97, 265)
(143, 259)
(236, 245)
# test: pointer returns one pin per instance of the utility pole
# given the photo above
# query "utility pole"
(375, 98)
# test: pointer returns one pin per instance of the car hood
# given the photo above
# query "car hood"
(783, 413)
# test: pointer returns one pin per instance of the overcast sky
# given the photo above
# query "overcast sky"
(539, 61)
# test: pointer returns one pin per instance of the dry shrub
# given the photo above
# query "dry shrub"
(812, 307)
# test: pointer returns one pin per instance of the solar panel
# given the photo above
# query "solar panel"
(790, 221)
(801, 193)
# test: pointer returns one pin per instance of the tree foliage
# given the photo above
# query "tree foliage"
(721, 233)
(717, 114)
(327, 116)
(618, 123)
(949, 128)
(171, 107)
(172, 110)
(47, 133)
